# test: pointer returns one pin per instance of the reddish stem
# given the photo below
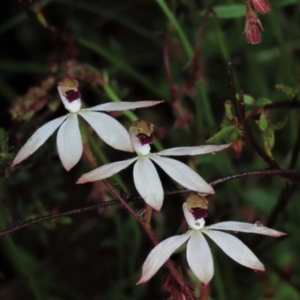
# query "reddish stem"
(205, 289)
(89, 156)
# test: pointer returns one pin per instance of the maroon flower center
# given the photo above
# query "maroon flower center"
(72, 95)
(199, 213)
(145, 139)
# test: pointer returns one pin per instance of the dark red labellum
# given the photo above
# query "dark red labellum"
(72, 95)
(199, 213)
(145, 139)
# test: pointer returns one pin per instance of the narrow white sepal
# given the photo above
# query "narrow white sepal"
(69, 142)
(197, 150)
(235, 249)
(108, 129)
(105, 171)
(147, 182)
(38, 139)
(246, 227)
(182, 174)
(199, 257)
(160, 254)
(119, 106)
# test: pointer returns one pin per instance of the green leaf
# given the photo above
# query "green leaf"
(249, 100)
(229, 11)
(222, 134)
(263, 122)
(285, 2)
(287, 90)
(236, 133)
(279, 125)
(263, 101)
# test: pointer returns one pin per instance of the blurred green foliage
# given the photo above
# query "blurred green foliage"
(99, 254)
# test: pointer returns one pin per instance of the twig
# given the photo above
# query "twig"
(282, 104)
(146, 225)
(250, 139)
(139, 198)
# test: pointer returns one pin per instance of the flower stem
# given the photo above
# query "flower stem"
(153, 238)
(146, 225)
(148, 217)
(205, 288)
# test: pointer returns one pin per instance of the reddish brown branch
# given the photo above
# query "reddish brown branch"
(146, 226)
(282, 104)
(139, 198)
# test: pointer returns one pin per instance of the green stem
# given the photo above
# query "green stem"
(129, 114)
(122, 65)
(113, 96)
(183, 39)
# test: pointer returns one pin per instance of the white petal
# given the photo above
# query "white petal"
(246, 227)
(235, 249)
(182, 174)
(147, 182)
(118, 106)
(69, 142)
(109, 130)
(160, 254)
(38, 139)
(199, 257)
(193, 150)
(105, 171)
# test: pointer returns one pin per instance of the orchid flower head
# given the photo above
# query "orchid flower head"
(199, 256)
(69, 141)
(145, 176)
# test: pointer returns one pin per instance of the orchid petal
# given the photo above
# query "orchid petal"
(119, 106)
(182, 174)
(69, 142)
(235, 249)
(160, 254)
(246, 227)
(199, 257)
(109, 130)
(147, 182)
(193, 150)
(38, 139)
(105, 171)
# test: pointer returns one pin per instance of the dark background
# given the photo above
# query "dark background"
(99, 254)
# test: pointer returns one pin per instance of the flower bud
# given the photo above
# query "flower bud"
(195, 210)
(141, 135)
(69, 94)
(261, 6)
(253, 26)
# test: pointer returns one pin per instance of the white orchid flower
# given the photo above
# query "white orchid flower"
(198, 253)
(146, 179)
(69, 142)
